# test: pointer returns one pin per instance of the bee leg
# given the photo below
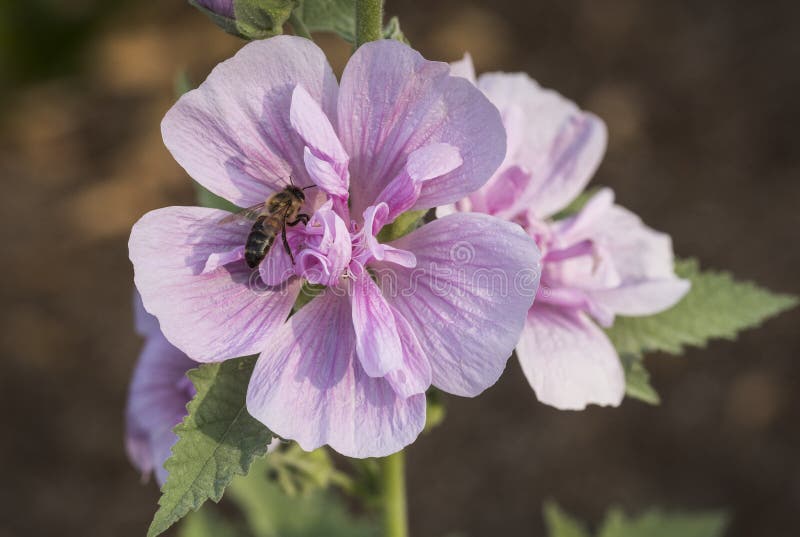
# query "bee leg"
(286, 243)
(302, 217)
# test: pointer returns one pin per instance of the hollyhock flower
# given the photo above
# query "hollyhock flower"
(443, 305)
(601, 262)
(157, 398)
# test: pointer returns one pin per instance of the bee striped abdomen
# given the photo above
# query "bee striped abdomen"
(260, 239)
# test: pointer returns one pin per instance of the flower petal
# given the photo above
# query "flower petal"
(157, 400)
(315, 128)
(233, 134)
(466, 300)
(414, 375)
(324, 175)
(392, 101)
(643, 298)
(377, 340)
(464, 68)
(424, 164)
(569, 361)
(548, 137)
(214, 316)
(309, 387)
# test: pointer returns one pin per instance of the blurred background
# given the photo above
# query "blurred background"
(702, 104)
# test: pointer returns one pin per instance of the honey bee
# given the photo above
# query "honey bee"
(270, 218)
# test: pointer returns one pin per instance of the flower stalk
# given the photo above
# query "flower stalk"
(369, 21)
(395, 510)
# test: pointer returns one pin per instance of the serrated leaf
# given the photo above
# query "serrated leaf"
(258, 19)
(217, 440)
(637, 380)
(656, 523)
(560, 524)
(717, 306)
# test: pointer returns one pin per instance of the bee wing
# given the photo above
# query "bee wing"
(250, 213)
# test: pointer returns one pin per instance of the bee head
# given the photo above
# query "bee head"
(296, 192)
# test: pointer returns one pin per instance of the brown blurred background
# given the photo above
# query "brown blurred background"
(701, 99)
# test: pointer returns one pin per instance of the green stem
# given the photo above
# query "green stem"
(393, 480)
(369, 21)
(299, 26)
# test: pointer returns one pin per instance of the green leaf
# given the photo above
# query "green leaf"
(560, 524)
(393, 31)
(656, 523)
(207, 523)
(637, 380)
(435, 411)
(271, 513)
(206, 198)
(717, 306)
(299, 472)
(403, 225)
(337, 16)
(217, 440)
(258, 19)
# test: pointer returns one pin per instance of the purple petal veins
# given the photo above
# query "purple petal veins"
(599, 263)
(443, 306)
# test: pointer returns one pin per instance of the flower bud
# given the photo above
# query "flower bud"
(248, 19)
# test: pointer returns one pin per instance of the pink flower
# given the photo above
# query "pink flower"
(157, 398)
(601, 262)
(442, 306)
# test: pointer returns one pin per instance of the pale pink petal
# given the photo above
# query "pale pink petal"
(308, 386)
(588, 221)
(643, 298)
(392, 101)
(220, 259)
(548, 137)
(233, 134)
(277, 266)
(476, 277)
(638, 260)
(214, 316)
(464, 68)
(425, 164)
(315, 128)
(432, 161)
(324, 175)
(414, 375)
(377, 340)
(328, 247)
(638, 251)
(569, 361)
(157, 399)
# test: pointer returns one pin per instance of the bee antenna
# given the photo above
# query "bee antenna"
(307, 187)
